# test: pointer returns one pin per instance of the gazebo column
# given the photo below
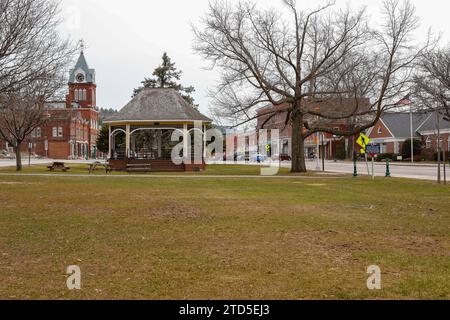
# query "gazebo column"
(127, 141)
(204, 142)
(133, 145)
(185, 143)
(110, 148)
(159, 142)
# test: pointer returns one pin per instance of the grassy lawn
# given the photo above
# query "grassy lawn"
(212, 238)
(77, 169)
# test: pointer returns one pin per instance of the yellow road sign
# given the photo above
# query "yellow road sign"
(363, 141)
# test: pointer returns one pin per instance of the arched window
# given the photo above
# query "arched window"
(84, 97)
(76, 95)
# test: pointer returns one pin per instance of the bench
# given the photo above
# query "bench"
(138, 168)
(58, 166)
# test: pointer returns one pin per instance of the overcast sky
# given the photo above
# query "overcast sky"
(126, 39)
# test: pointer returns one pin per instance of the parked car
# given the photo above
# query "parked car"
(5, 155)
(259, 158)
(242, 156)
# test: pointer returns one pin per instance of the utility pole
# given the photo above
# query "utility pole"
(318, 152)
(412, 133)
(438, 145)
(323, 153)
(444, 162)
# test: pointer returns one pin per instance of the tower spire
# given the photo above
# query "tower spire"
(82, 45)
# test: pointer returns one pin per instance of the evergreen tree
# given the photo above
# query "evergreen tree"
(166, 76)
(103, 139)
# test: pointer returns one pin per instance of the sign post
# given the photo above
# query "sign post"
(363, 141)
(373, 151)
(30, 147)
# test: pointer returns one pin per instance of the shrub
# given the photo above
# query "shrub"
(385, 156)
(406, 149)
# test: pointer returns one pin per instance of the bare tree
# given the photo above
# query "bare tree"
(432, 81)
(432, 90)
(33, 60)
(294, 60)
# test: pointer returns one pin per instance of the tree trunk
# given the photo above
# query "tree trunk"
(298, 145)
(18, 157)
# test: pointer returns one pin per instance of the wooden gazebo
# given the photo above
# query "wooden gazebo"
(150, 129)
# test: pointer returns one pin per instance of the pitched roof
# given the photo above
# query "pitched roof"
(399, 123)
(82, 65)
(156, 104)
(431, 123)
(333, 107)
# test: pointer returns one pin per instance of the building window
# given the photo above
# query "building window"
(76, 95)
(380, 131)
(57, 132)
(428, 143)
(36, 133)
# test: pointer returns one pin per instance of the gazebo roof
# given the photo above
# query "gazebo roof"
(157, 104)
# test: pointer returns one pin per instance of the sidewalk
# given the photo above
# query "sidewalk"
(398, 164)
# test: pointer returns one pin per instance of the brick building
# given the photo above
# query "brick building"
(394, 128)
(72, 126)
(328, 142)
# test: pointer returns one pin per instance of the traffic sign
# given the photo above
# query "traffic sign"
(373, 149)
(363, 140)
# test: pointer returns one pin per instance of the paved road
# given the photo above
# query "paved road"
(418, 171)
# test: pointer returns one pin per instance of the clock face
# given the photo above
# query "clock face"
(80, 77)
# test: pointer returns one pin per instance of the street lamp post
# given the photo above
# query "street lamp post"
(412, 133)
(318, 151)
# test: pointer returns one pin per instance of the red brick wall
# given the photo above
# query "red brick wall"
(58, 150)
(90, 94)
(445, 138)
(384, 132)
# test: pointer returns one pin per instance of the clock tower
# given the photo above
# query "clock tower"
(82, 100)
(82, 86)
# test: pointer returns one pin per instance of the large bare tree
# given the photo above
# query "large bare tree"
(33, 63)
(432, 80)
(296, 58)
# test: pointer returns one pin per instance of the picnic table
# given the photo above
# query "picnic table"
(58, 166)
(106, 166)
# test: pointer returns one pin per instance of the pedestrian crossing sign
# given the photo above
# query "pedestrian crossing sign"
(363, 141)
